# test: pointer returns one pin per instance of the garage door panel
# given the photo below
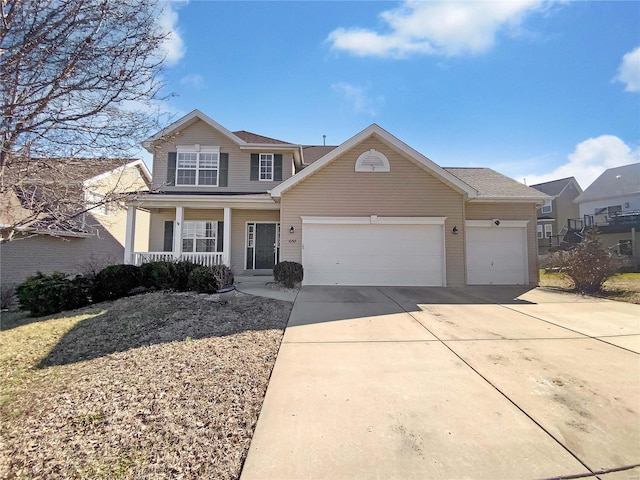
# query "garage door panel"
(496, 256)
(373, 254)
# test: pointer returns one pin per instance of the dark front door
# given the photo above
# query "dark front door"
(265, 245)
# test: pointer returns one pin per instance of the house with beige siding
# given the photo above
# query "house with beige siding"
(555, 214)
(371, 211)
(91, 240)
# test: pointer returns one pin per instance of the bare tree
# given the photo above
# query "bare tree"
(79, 78)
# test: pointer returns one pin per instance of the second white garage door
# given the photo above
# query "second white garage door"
(496, 255)
(373, 253)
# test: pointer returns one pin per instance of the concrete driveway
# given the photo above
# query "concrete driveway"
(477, 382)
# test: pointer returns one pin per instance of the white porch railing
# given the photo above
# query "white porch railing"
(208, 259)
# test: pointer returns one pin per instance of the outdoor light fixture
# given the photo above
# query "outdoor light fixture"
(292, 229)
(455, 230)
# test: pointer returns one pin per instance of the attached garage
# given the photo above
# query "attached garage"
(373, 251)
(496, 252)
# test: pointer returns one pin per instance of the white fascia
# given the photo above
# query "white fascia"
(537, 200)
(148, 143)
(136, 163)
(374, 220)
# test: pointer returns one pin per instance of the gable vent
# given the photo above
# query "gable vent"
(372, 161)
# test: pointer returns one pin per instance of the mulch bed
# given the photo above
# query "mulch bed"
(160, 385)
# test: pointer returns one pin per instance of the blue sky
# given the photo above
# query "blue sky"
(534, 89)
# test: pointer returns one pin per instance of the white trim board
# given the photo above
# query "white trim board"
(374, 220)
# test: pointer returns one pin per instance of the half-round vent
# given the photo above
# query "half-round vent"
(372, 161)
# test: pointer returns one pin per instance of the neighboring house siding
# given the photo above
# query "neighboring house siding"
(511, 211)
(406, 191)
(565, 208)
(29, 254)
(116, 221)
(26, 256)
(202, 134)
(588, 208)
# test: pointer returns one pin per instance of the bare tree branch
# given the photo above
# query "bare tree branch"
(79, 78)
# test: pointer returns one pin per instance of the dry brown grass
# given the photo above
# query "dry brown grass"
(154, 386)
(624, 287)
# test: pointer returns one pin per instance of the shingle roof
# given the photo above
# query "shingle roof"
(490, 183)
(75, 169)
(311, 153)
(614, 182)
(250, 137)
(554, 187)
(54, 186)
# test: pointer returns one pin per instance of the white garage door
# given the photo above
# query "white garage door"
(373, 253)
(497, 255)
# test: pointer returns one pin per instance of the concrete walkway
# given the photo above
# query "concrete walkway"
(444, 383)
(264, 286)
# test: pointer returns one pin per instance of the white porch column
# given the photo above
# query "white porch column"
(130, 236)
(226, 243)
(177, 233)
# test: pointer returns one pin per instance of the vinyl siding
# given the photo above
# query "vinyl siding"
(29, 254)
(512, 211)
(406, 191)
(239, 219)
(565, 208)
(239, 161)
(127, 180)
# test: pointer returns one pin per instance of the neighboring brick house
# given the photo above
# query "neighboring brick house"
(553, 216)
(371, 211)
(93, 239)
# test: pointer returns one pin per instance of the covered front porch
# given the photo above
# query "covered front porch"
(241, 233)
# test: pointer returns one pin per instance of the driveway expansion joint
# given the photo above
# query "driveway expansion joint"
(569, 451)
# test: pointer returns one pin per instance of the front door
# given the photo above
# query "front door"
(262, 246)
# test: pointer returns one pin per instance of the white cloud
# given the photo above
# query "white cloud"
(589, 159)
(173, 45)
(436, 27)
(358, 99)
(629, 71)
(194, 80)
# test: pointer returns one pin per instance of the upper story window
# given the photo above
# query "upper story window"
(547, 207)
(266, 166)
(197, 166)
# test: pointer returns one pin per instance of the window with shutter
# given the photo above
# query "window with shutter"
(197, 166)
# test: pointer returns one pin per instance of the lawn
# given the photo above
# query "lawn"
(161, 385)
(624, 287)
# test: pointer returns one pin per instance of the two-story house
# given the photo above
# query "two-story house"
(93, 234)
(612, 204)
(553, 216)
(371, 211)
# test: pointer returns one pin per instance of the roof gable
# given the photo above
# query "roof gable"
(613, 182)
(555, 188)
(185, 122)
(392, 142)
